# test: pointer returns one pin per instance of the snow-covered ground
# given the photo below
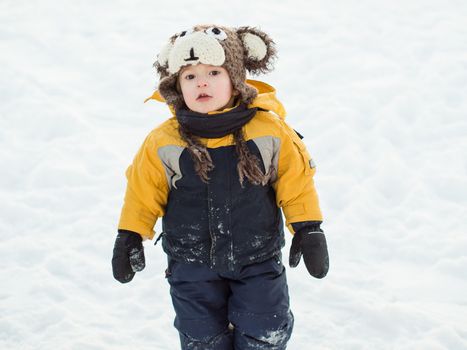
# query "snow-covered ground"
(378, 88)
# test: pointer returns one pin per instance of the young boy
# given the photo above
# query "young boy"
(217, 173)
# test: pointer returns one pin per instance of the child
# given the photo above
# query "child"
(217, 173)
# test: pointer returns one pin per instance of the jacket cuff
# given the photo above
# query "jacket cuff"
(132, 236)
(307, 225)
(144, 231)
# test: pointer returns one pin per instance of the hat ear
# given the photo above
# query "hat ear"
(259, 50)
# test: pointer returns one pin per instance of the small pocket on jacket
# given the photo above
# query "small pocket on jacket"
(307, 161)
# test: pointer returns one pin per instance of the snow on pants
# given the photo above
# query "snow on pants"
(243, 310)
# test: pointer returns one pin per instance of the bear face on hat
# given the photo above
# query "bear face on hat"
(236, 49)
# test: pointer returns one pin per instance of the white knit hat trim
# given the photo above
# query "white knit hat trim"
(163, 56)
(198, 47)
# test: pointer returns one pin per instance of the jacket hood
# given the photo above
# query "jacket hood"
(266, 99)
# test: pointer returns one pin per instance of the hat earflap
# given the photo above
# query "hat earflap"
(168, 90)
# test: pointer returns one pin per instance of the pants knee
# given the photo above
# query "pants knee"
(264, 332)
(221, 341)
(203, 335)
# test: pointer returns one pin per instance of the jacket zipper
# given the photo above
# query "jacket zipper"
(213, 239)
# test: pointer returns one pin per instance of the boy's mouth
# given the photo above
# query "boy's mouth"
(203, 97)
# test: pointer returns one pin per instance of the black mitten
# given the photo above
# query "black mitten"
(128, 256)
(312, 244)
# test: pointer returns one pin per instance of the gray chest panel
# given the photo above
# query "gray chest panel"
(170, 157)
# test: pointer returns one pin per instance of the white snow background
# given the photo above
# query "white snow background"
(378, 89)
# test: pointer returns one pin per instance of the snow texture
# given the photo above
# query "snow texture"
(378, 89)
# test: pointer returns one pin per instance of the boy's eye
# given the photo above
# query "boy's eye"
(214, 72)
(189, 76)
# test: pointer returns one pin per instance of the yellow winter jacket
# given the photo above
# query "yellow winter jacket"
(150, 176)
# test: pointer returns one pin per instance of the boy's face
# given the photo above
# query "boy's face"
(205, 88)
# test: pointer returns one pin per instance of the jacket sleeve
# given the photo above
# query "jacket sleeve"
(295, 189)
(146, 193)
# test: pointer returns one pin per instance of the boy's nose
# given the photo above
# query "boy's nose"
(202, 83)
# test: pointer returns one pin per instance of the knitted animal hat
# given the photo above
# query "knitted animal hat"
(236, 49)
